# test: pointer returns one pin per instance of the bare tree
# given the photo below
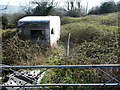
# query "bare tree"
(79, 4)
(71, 4)
(26, 7)
(5, 7)
(86, 7)
(68, 5)
(49, 2)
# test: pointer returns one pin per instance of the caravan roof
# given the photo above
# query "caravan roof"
(38, 18)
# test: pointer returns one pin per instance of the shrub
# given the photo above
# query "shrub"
(84, 54)
(105, 7)
(107, 19)
(81, 32)
(4, 22)
(19, 52)
(74, 13)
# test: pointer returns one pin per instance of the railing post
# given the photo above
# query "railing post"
(68, 45)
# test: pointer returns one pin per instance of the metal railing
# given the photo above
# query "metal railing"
(65, 66)
(69, 66)
(41, 85)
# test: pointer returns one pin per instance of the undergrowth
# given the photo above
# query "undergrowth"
(19, 52)
(106, 19)
(94, 40)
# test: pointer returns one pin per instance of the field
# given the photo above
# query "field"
(94, 40)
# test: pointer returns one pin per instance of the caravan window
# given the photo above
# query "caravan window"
(35, 34)
(52, 31)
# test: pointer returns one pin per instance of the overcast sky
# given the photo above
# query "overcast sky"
(91, 3)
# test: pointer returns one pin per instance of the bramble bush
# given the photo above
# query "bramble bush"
(19, 52)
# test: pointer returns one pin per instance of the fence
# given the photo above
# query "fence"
(117, 83)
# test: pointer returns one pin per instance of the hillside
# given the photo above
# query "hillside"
(106, 19)
(90, 27)
(94, 40)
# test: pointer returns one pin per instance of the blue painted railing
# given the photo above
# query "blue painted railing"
(64, 66)
(41, 85)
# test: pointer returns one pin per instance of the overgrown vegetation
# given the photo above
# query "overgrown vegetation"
(9, 21)
(106, 19)
(94, 40)
(106, 7)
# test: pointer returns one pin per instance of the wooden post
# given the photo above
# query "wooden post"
(68, 45)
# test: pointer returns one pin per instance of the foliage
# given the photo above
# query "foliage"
(58, 12)
(43, 9)
(4, 22)
(107, 19)
(81, 32)
(118, 6)
(108, 7)
(13, 18)
(19, 52)
(40, 8)
(84, 54)
(9, 21)
(94, 10)
(75, 13)
(94, 40)
(105, 7)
